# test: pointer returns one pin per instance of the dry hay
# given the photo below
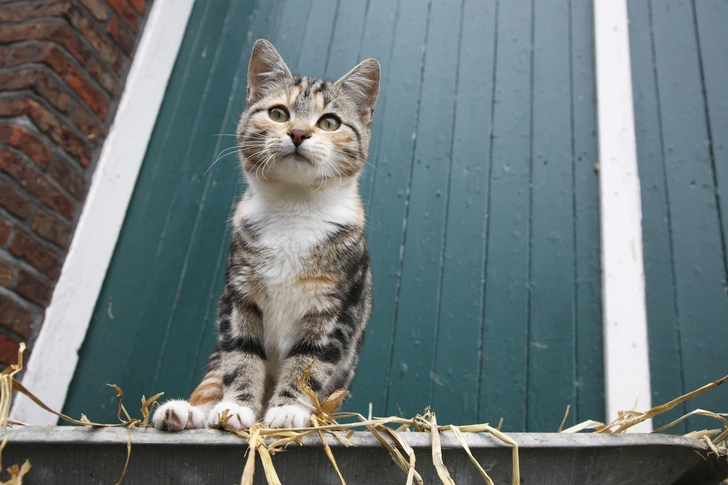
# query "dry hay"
(266, 442)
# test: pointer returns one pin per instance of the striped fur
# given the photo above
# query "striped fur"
(298, 287)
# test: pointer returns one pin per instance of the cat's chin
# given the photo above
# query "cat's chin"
(298, 157)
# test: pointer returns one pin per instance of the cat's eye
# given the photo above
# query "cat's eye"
(329, 123)
(279, 114)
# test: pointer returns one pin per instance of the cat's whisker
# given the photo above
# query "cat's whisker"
(375, 168)
(265, 164)
(220, 157)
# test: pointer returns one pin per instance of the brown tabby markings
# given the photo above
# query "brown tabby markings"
(298, 287)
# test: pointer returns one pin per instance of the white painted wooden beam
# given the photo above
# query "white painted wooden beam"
(626, 351)
(55, 354)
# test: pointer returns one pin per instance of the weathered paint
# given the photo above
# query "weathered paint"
(679, 62)
(449, 200)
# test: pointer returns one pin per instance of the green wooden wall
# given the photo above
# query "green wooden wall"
(481, 199)
(680, 78)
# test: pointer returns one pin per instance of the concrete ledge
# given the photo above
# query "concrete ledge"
(65, 455)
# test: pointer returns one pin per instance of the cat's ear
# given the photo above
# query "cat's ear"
(266, 70)
(361, 87)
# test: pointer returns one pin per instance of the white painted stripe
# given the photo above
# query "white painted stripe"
(626, 351)
(55, 354)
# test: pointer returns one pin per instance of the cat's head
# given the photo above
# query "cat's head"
(301, 130)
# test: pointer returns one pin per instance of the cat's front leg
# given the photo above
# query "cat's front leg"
(242, 363)
(325, 350)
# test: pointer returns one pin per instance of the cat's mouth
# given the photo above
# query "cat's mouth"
(299, 156)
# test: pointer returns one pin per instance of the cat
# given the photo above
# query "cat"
(298, 289)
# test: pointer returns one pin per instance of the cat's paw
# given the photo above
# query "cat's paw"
(177, 415)
(287, 416)
(240, 417)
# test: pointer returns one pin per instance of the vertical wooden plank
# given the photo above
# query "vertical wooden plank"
(347, 38)
(378, 40)
(551, 334)
(660, 291)
(292, 29)
(317, 38)
(190, 319)
(118, 306)
(457, 355)
(712, 26)
(416, 324)
(386, 212)
(505, 337)
(698, 252)
(589, 330)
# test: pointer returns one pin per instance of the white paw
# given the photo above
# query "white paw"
(287, 416)
(177, 415)
(241, 417)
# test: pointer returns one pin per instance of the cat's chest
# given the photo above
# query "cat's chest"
(286, 247)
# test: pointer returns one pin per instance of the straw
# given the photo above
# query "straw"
(265, 442)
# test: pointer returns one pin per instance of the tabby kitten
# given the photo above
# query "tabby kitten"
(298, 287)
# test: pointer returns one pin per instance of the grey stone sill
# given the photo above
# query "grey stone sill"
(66, 455)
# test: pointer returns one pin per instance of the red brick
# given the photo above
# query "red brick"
(97, 8)
(38, 81)
(89, 126)
(126, 13)
(4, 53)
(48, 124)
(103, 76)
(54, 57)
(121, 36)
(36, 184)
(6, 277)
(34, 289)
(8, 350)
(14, 317)
(34, 10)
(68, 177)
(27, 142)
(56, 31)
(139, 5)
(5, 229)
(98, 41)
(25, 247)
(51, 229)
(14, 202)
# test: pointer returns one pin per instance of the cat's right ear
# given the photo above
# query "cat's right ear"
(266, 70)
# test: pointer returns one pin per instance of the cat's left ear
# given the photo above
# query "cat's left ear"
(265, 71)
(361, 87)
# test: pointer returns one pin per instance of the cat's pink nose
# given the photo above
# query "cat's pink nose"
(298, 136)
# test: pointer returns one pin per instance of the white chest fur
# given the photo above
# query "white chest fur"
(289, 224)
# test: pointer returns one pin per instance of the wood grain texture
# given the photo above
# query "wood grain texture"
(552, 329)
(505, 338)
(684, 231)
(485, 259)
(419, 295)
(458, 347)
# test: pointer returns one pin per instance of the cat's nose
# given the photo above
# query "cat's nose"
(298, 136)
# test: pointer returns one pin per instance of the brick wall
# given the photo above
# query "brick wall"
(62, 69)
